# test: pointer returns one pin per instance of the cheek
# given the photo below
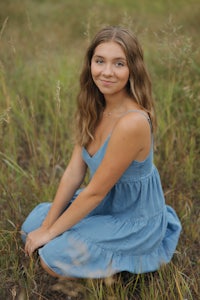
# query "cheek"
(126, 76)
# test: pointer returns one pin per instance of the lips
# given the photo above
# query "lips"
(106, 82)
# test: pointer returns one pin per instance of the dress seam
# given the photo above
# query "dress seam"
(141, 219)
(113, 250)
(126, 178)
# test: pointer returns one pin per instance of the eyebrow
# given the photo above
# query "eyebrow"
(115, 58)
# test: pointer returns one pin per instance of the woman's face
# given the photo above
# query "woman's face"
(109, 68)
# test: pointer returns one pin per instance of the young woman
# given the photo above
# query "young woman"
(119, 221)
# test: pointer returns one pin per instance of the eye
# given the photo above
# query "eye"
(120, 64)
(99, 61)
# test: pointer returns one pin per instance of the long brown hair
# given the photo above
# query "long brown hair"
(91, 102)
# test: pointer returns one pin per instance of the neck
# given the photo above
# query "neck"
(116, 104)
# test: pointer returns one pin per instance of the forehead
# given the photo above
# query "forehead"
(109, 50)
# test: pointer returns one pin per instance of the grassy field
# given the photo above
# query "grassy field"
(41, 50)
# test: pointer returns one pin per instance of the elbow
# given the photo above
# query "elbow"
(95, 196)
(74, 180)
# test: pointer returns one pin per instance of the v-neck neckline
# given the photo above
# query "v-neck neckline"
(102, 145)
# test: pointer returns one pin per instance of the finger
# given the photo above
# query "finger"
(32, 250)
(27, 248)
(28, 251)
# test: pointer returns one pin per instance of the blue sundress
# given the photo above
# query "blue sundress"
(132, 229)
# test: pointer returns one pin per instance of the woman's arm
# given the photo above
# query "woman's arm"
(70, 182)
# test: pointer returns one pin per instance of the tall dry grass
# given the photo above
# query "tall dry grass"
(41, 49)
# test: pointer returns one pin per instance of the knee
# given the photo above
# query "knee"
(25, 229)
(34, 219)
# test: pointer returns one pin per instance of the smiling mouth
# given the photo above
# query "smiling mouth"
(107, 82)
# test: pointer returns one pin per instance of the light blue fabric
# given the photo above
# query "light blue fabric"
(131, 230)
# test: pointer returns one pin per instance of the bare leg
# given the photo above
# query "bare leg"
(47, 269)
(52, 273)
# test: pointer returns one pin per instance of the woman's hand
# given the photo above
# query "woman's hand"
(36, 239)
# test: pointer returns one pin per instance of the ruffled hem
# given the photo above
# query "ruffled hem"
(84, 259)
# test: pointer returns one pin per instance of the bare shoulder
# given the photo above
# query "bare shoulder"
(130, 138)
(132, 124)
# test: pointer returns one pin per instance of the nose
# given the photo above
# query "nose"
(107, 70)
